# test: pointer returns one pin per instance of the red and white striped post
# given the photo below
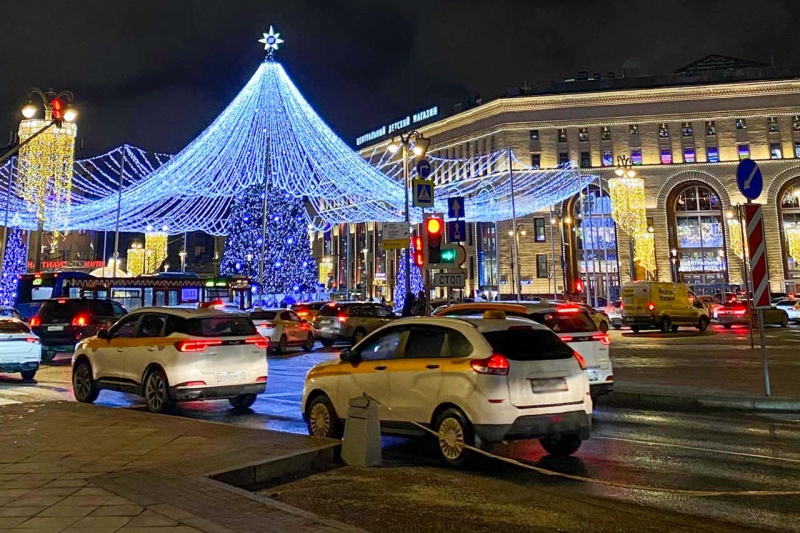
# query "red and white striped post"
(759, 275)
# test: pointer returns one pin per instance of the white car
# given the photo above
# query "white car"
(168, 355)
(19, 349)
(791, 306)
(283, 328)
(614, 314)
(473, 380)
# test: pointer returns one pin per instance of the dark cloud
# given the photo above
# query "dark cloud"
(155, 72)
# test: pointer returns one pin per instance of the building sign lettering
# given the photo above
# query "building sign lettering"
(404, 122)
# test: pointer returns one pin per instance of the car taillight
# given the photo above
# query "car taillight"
(580, 359)
(192, 384)
(36, 321)
(302, 313)
(260, 342)
(739, 311)
(496, 364)
(196, 346)
(567, 309)
(80, 320)
(622, 306)
(342, 317)
(602, 338)
(261, 379)
(567, 338)
(268, 324)
(32, 340)
(651, 306)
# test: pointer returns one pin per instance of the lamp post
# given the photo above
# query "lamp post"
(418, 144)
(515, 266)
(58, 109)
(673, 259)
(625, 170)
(182, 255)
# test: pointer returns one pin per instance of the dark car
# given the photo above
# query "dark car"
(735, 313)
(61, 323)
(349, 321)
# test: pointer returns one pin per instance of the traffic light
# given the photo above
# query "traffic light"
(419, 257)
(432, 229)
(58, 111)
(578, 285)
(448, 256)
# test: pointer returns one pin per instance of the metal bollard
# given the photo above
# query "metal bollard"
(361, 445)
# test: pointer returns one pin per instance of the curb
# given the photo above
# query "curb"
(636, 400)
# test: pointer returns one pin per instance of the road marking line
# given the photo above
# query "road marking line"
(276, 394)
(681, 446)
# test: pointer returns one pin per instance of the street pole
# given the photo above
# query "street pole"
(119, 208)
(607, 278)
(263, 254)
(746, 276)
(347, 261)
(583, 242)
(407, 255)
(553, 252)
(514, 241)
(185, 251)
(497, 257)
(105, 250)
(5, 221)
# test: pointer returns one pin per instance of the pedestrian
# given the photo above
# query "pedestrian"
(408, 304)
(420, 307)
(383, 300)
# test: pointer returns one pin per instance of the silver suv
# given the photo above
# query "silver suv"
(349, 321)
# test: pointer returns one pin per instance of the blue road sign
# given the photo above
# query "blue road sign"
(456, 231)
(424, 168)
(455, 207)
(423, 193)
(749, 179)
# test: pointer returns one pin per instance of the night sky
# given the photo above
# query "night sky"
(155, 73)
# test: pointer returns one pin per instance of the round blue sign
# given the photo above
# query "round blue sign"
(423, 168)
(749, 179)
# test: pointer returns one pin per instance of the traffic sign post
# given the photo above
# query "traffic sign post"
(749, 179)
(455, 207)
(759, 275)
(454, 279)
(456, 231)
(423, 193)
(394, 236)
(423, 168)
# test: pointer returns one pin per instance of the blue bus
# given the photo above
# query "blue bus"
(33, 289)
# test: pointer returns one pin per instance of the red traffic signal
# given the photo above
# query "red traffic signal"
(419, 258)
(58, 109)
(433, 227)
(579, 285)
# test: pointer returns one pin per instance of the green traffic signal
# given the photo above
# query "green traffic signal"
(448, 255)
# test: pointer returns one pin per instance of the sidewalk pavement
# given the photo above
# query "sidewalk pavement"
(79, 468)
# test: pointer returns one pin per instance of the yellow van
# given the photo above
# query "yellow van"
(662, 305)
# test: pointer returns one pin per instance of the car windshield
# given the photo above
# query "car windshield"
(787, 303)
(222, 326)
(7, 327)
(523, 343)
(565, 322)
(263, 315)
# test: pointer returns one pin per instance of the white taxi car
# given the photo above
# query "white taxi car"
(20, 350)
(473, 380)
(283, 328)
(169, 354)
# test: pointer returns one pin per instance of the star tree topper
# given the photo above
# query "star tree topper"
(271, 41)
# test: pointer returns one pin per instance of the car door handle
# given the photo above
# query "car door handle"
(152, 349)
(119, 350)
(432, 366)
(380, 368)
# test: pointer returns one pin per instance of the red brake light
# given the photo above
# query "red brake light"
(342, 317)
(739, 311)
(302, 313)
(261, 379)
(567, 338)
(567, 309)
(496, 364)
(62, 301)
(36, 321)
(196, 346)
(260, 342)
(80, 320)
(192, 384)
(602, 338)
(580, 359)
(651, 306)
(32, 340)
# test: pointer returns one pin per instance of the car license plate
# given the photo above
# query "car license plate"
(231, 376)
(592, 374)
(55, 328)
(549, 385)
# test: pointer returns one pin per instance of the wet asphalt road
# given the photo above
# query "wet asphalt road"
(654, 449)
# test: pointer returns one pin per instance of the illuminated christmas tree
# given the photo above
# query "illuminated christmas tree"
(288, 264)
(417, 283)
(14, 265)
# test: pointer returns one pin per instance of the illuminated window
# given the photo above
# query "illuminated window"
(713, 154)
(744, 150)
(633, 129)
(636, 157)
(541, 265)
(699, 231)
(797, 149)
(711, 128)
(536, 160)
(605, 134)
(663, 130)
(608, 158)
(772, 124)
(796, 123)
(534, 135)
(688, 154)
(586, 160)
(741, 123)
(686, 129)
(583, 134)
(538, 230)
(775, 151)
(563, 157)
(562, 135)
(666, 156)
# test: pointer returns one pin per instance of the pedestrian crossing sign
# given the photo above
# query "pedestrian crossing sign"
(423, 193)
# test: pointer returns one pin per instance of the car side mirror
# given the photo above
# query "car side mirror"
(103, 334)
(698, 304)
(349, 356)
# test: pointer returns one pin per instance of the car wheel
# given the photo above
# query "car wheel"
(243, 401)
(674, 329)
(156, 393)
(562, 446)
(82, 383)
(283, 344)
(327, 343)
(321, 418)
(785, 321)
(358, 335)
(309, 345)
(48, 355)
(455, 432)
(28, 375)
(702, 325)
(635, 329)
(666, 325)
(604, 327)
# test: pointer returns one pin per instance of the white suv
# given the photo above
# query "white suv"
(472, 380)
(168, 355)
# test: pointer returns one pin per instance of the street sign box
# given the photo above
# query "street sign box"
(456, 231)
(423, 193)
(395, 236)
(455, 207)
(758, 255)
(749, 179)
(453, 278)
(424, 168)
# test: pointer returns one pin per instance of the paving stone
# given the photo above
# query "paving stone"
(49, 523)
(68, 510)
(118, 510)
(7, 522)
(21, 511)
(31, 499)
(152, 519)
(66, 483)
(101, 522)
(99, 499)
(13, 493)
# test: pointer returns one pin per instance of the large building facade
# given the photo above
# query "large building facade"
(684, 134)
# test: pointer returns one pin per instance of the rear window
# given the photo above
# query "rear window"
(223, 326)
(263, 315)
(60, 311)
(332, 310)
(522, 343)
(7, 327)
(565, 322)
